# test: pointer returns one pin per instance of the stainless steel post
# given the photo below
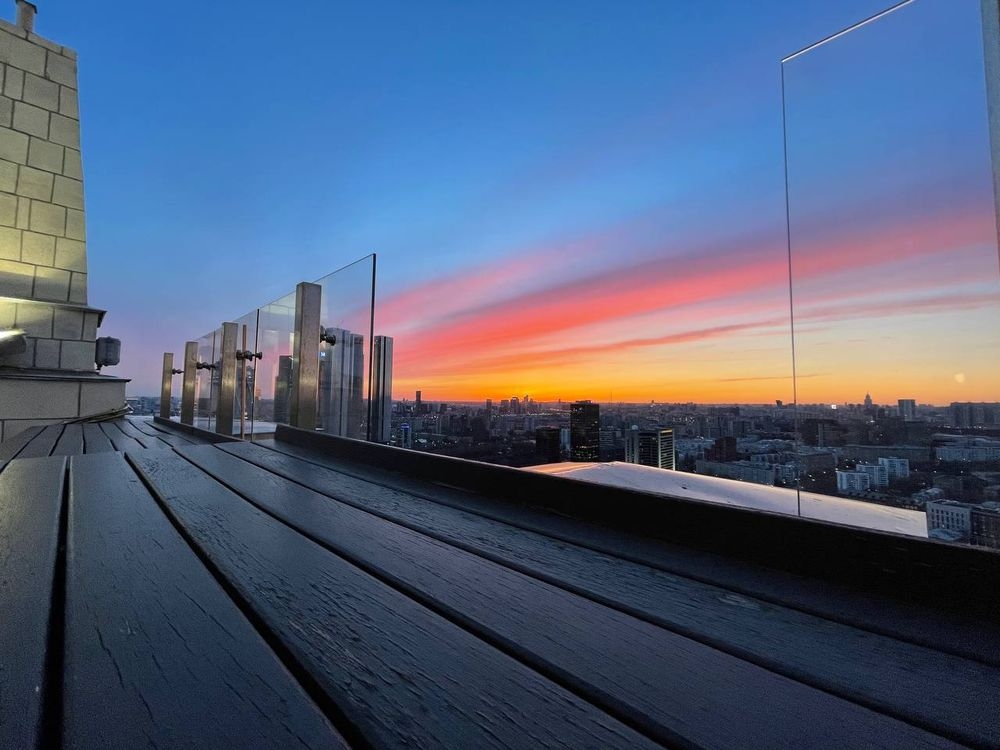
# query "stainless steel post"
(227, 380)
(187, 389)
(166, 384)
(305, 356)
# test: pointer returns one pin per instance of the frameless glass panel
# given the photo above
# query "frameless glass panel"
(246, 371)
(273, 372)
(207, 381)
(345, 358)
(894, 273)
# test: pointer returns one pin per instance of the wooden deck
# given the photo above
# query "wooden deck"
(163, 589)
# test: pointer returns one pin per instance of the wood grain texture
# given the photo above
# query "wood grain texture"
(403, 675)
(146, 440)
(94, 439)
(157, 655)
(10, 448)
(618, 662)
(173, 439)
(119, 439)
(31, 492)
(43, 443)
(70, 442)
(902, 679)
(962, 636)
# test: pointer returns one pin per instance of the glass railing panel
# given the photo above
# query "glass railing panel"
(207, 380)
(348, 299)
(273, 372)
(894, 272)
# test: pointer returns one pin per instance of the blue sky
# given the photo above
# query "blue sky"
(232, 149)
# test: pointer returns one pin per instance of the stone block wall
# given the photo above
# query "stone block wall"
(43, 251)
(43, 254)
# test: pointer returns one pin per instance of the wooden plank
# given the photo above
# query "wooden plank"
(156, 653)
(71, 441)
(967, 637)
(31, 491)
(403, 675)
(146, 427)
(94, 439)
(879, 672)
(10, 448)
(43, 443)
(615, 661)
(147, 441)
(119, 439)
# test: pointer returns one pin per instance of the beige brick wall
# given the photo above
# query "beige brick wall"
(43, 253)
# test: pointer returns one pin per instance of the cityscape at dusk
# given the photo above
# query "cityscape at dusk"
(440, 375)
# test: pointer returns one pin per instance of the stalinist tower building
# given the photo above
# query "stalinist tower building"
(47, 328)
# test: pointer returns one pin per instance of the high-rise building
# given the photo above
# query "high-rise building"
(341, 385)
(380, 391)
(418, 406)
(585, 431)
(405, 436)
(908, 409)
(651, 448)
(547, 445)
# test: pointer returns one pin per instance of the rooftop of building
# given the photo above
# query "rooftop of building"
(202, 591)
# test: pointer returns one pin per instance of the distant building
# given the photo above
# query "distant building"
(896, 468)
(547, 448)
(984, 522)
(651, 448)
(912, 453)
(381, 390)
(405, 436)
(969, 453)
(878, 473)
(853, 482)
(969, 414)
(746, 471)
(723, 450)
(949, 516)
(585, 431)
(908, 409)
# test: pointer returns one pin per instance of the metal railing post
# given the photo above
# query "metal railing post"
(166, 384)
(305, 357)
(187, 389)
(227, 380)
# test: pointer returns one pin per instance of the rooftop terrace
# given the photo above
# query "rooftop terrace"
(165, 589)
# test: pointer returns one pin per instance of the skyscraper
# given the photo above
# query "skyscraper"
(908, 409)
(651, 448)
(381, 390)
(585, 431)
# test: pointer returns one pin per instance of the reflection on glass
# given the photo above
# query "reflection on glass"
(273, 372)
(207, 381)
(894, 267)
(346, 315)
(246, 371)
